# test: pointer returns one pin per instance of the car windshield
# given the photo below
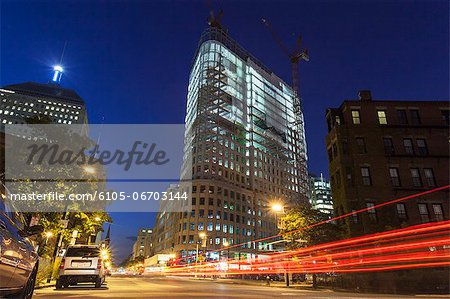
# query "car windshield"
(82, 252)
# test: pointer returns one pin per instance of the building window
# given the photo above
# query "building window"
(401, 211)
(335, 151)
(356, 117)
(446, 116)
(355, 217)
(371, 212)
(415, 117)
(438, 214)
(191, 239)
(423, 212)
(417, 180)
(344, 147)
(361, 145)
(337, 119)
(429, 176)
(395, 178)
(365, 173)
(422, 148)
(382, 120)
(407, 143)
(388, 146)
(402, 118)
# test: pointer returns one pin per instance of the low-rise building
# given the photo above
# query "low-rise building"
(380, 150)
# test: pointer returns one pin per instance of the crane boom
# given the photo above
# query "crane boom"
(294, 57)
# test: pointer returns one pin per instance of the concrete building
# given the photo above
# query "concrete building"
(143, 247)
(19, 102)
(380, 150)
(246, 140)
(320, 194)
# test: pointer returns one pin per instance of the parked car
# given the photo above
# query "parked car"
(81, 263)
(18, 257)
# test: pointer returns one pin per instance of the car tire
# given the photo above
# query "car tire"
(28, 289)
(59, 284)
(98, 282)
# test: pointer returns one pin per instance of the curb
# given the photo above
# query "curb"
(44, 286)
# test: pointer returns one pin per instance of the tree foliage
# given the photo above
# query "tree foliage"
(294, 228)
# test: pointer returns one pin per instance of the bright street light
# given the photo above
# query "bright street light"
(202, 235)
(276, 207)
(89, 169)
(97, 218)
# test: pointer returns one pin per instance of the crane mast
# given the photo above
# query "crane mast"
(294, 57)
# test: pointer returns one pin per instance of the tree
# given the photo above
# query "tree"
(295, 228)
(86, 217)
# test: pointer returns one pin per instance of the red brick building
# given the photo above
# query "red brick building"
(380, 150)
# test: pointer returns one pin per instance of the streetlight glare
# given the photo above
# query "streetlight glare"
(105, 253)
(276, 207)
(202, 235)
(89, 169)
(48, 234)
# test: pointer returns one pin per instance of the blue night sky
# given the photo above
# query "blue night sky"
(130, 60)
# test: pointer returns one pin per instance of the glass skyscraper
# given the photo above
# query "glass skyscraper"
(321, 198)
(246, 149)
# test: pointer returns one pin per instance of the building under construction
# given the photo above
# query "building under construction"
(245, 137)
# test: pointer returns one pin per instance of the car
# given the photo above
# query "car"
(18, 257)
(81, 263)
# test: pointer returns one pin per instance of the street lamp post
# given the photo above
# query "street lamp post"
(47, 236)
(279, 208)
(227, 245)
(202, 236)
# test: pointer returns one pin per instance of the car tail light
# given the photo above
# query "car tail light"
(99, 264)
(61, 266)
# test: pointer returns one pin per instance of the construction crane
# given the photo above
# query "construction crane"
(294, 57)
(213, 19)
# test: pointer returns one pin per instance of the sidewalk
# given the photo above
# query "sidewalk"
(45, 285)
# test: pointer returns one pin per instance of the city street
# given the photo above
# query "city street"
(173, 287)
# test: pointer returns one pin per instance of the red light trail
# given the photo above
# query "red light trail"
(424, 245)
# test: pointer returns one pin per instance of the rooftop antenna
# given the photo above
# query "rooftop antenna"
(57, 69)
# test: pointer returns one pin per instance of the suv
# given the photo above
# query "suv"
(81, 263)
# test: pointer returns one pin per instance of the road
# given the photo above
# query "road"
(173, 287)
